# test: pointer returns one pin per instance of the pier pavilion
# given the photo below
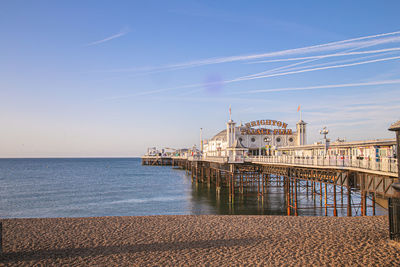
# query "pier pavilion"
(255, 138)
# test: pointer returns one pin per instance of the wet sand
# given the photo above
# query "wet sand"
(199, 240)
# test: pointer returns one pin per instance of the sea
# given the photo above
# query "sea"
(91, 187)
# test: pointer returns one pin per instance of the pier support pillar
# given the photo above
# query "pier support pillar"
(341, 195)
(334, 201)
(363, 203)
(307, 188)
(320, 193)
(348, 201)
(373, 204)
(326, 199)
(287, 182)
(295, 197)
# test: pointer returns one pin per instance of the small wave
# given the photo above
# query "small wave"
(146, 200)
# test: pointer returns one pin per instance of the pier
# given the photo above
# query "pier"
(332, 183)
(350, 177)
(157, 160)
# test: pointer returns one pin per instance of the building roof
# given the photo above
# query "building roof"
(395, 126)
(221, 136)
(366, 143)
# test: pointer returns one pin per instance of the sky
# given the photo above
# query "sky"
(112, 78)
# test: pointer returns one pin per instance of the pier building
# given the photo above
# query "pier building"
(255, 138)
(368, 149)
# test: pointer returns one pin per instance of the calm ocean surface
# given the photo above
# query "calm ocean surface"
(118, 187)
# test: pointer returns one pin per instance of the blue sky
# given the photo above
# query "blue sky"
(111, 78)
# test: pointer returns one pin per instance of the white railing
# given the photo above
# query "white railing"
(216, 159)
(236, 159)
(383, 164)
(179, 157)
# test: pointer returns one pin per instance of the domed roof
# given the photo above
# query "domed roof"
(395, 126)
(221, 136)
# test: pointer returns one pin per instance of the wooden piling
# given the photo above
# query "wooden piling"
(289, 196)
(326, 199)
(320, 194)
(295, 197)
(363, 203)
(334, 201)
(348, 201)
(373, 203)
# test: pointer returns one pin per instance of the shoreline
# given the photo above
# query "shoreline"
(199, 239)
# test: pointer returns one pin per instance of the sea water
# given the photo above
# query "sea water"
(87, 187)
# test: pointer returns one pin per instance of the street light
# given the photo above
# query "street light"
(201, 140)
(324, 132)
(267, 140)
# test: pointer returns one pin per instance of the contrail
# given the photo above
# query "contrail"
(308, 49)
(335, 62)
(320, 87)
(154, 91)
(365, 44)
(327, 56)
(314, 69)
(259, 77)
(121, 33)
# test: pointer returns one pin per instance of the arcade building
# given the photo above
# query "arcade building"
(255, 138)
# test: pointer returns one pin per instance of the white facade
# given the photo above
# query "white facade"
(301, 130)
(260, 137)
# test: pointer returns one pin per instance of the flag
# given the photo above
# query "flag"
(230, 112)
(298, 108)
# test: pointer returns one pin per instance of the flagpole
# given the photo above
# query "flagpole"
(299, 109)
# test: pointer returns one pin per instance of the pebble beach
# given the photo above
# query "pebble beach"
(189, 240)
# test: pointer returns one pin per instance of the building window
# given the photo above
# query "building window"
(291, 139)
(253, 139)
(278, 139)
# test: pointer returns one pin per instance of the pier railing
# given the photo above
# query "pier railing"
(216, 159)
(380, 164)
(190, 158)
(388, 165)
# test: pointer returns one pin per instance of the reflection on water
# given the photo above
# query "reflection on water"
(273, 202)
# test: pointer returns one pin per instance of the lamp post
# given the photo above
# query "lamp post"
(201, 140)
(267, 140)
(324, 131)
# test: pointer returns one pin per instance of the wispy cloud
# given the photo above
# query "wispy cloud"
(120, 34)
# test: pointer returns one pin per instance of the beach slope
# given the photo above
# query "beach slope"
(199, 240)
